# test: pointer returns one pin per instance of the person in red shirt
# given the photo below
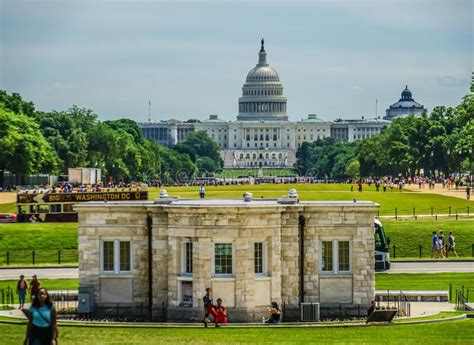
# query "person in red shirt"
(221, 313)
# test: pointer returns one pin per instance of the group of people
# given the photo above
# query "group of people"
(219, 311)
(42, 316)
(440, 247)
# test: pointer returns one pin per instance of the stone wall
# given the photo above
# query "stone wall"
(209, 221)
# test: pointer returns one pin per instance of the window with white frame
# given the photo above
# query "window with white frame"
(116, 256)
(186, 257)
(223, 259)
(344, 259)
(259, 258)
(326, 256)
(335, 256)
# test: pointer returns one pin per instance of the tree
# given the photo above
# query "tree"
(352, 170)
(199, 145)
(24, 149)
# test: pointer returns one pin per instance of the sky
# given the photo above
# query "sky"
(190, 59)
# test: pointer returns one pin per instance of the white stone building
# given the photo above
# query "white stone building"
(405, 106)
(162, 255)
(262, 136)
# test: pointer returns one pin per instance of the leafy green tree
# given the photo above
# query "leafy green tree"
(24, 149)
(199, 145)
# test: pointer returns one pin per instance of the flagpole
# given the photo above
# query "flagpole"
(149, 111)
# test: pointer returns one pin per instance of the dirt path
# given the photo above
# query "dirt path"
(7, 197)
(460, 193)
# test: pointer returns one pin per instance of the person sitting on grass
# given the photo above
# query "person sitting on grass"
(221, 312)
(42, 328)
(275, 313)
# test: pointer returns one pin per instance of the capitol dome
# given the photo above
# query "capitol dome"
(262, 94)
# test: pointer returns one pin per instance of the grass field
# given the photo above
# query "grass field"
(404, 201)
(8, 208)
(47, 238)
(460, 332)
(427, 281)
(408, 235)
(20, 239)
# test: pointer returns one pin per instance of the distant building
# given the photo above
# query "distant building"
(405, 106)
(262, 136)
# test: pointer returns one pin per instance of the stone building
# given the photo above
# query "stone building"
(262, 136)
(405, 106)
(247, 250)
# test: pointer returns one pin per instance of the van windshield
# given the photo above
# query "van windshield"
(380, 240)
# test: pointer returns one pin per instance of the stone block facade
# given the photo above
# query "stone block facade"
(261, 236)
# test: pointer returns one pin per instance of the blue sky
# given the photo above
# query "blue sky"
(191, 58)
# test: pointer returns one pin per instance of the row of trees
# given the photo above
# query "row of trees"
(441, 142)
(51, 142)
(326, 158)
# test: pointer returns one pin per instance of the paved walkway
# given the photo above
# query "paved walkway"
(42, 273)
(438, 189)
(396, 267)
(431, 267)
(417, 309)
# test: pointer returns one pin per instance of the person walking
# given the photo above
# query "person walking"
(21, 290)
(202, 191)
(35, 285)
(441, 243)
(434, 244)
(468, 192)
(209, 307)
(451, 244)
(42, 328)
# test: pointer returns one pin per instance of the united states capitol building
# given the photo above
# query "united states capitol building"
(262, 136)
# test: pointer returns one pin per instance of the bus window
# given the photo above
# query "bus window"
(67, 208)
(43, 208)
(380, 240)
(22, 208)
(56, 208)
(32, 209)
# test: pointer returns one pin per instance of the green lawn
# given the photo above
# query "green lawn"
(459, 332)
(50, 284)
(20, 239)
(8, 208)
(403, 201)
(425, 281)
(46, 239)
(407, 236)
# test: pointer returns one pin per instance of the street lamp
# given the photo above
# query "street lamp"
(432, 164)
(470, 168)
